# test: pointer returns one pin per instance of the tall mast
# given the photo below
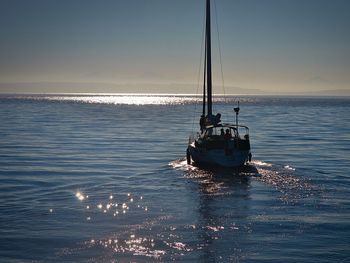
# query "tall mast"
(208, 58)
(204, 78)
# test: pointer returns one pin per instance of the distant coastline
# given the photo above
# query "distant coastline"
(67, 88)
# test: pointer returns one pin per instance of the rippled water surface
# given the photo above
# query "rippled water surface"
(100, 178)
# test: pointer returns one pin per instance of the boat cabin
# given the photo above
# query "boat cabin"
(220, 130)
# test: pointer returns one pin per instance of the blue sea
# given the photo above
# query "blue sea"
(103, 178)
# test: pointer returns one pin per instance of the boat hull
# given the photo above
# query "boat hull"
(236, 157)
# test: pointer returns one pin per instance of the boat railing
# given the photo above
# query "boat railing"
(193, 136)
(241, 129)
(239, 126)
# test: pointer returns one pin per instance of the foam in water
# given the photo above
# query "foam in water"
(282, 178)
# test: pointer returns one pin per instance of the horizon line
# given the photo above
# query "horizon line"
(168, 94)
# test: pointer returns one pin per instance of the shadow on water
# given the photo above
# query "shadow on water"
(223, 204)
(223, 209)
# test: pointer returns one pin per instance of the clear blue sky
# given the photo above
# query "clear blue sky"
(154, 45)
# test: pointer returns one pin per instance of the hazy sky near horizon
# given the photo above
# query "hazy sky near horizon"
(271, 45)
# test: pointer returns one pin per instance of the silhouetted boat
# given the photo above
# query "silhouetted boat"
(217, 143)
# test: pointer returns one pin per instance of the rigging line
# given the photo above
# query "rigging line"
(219, 44)
(199, 73)
(204, 77)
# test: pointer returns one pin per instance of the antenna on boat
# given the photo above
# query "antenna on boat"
(237, 112)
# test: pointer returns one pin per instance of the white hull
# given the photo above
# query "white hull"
(236, 158)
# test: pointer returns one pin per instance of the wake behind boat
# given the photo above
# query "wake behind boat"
(217, 143)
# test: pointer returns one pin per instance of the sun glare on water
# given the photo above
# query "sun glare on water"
(130, 99)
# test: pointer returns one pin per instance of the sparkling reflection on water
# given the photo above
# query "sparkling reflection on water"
(103, 179)
(126, 99)
(223, 217)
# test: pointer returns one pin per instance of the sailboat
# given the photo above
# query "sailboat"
(222, 144)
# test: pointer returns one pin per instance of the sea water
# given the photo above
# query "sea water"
(103, 178)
